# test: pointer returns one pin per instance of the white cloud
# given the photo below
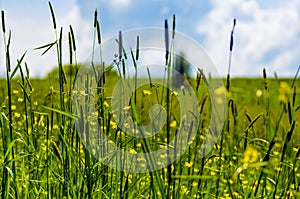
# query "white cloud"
(119, 3)
(165, 11)
(28, 34)
(263, 37)
(83, 30)
(126, 2)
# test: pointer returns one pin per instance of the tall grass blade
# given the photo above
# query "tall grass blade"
(230, 54)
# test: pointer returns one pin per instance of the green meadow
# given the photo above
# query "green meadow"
(43, 156)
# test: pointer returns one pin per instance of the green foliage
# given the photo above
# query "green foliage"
(235, 171)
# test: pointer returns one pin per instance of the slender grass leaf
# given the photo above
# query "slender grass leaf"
(18, 66)
(61, 112)
(47, 46)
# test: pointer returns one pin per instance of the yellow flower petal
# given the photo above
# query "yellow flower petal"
(13, 107)
(146, 92)
(173, 124)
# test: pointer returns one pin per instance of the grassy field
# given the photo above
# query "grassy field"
(50, 161)
(42, 155)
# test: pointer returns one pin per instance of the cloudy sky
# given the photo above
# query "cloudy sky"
(267, 32)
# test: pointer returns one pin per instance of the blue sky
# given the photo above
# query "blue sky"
(267, 32)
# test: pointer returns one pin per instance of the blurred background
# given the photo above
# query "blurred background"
(267, 32)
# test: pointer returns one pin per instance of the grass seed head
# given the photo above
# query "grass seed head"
(173, 32)
(98, 32)
(57, 151)
(73, 38)
(3, 21)
(137, 48)
(52, 15)
(95, 18)
(167, 41)
(120, 45)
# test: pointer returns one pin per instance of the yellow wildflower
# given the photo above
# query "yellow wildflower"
(139, 144)
(188, 164)
(284, 92)
(132, 151)
(220, 91)
(245, 182)
(259, 93)
(113, 124)
(105, 104)
(146, 92)
(13, 107)
(174, 93)
(184, 190)
(173, 124)
(250, 155)
(17, 115)
(126, 108)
